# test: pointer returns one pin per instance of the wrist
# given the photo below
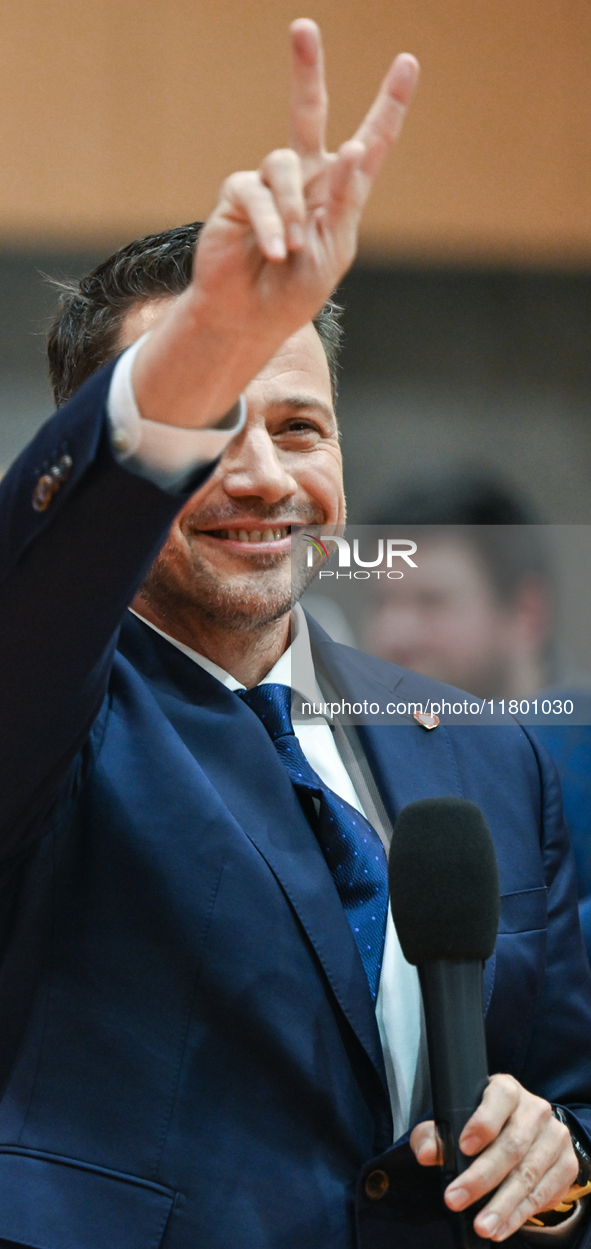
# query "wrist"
(580, 1148)
(183, 373)
(559, 1225)
(196, 362)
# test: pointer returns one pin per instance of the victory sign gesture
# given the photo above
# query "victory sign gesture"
(276, 245)
(303, 206)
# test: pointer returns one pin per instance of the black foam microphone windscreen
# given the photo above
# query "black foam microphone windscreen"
(444, 885)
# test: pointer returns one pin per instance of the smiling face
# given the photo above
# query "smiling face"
(227, 561)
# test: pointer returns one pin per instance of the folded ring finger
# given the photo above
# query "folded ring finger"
(281, 171)
(245, 196)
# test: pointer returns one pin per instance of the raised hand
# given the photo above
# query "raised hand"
(276, 245)
(285, 234)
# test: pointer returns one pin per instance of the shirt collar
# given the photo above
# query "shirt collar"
(295, 667)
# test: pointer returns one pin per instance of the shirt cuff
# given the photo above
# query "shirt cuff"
(167, 455)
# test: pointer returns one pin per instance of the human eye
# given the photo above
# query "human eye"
(299, 424)
(300, 431)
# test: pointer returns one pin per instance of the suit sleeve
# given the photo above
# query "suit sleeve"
(67, 574)
(558, 1061)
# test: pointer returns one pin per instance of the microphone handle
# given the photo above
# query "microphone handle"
(454, 1018)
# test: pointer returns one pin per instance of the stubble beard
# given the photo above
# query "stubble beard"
(234, 603)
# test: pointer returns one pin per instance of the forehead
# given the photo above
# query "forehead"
(143, 316)
(299, 366)
(300, 363)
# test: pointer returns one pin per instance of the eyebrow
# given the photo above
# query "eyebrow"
(298, 402)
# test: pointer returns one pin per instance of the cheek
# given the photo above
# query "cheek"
(175, 551)
(322, 479)
(210, 493)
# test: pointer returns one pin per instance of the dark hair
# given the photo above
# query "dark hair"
(84, 333)
(476, 507)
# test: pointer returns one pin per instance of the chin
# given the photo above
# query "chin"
(236, 601)
(243, 614)
(242, 603)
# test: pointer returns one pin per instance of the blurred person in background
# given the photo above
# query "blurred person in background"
(479, 615)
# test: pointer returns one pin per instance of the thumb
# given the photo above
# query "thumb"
(426, 1145)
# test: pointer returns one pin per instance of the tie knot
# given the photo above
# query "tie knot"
(272, 704)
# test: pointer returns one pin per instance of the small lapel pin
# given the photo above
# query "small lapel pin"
(427, 719)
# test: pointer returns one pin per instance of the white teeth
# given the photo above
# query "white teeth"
(255, 535)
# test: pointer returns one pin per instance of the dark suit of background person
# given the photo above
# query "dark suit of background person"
(189, 1051)
(570, 748)
(472, 500)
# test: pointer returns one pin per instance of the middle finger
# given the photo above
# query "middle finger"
(381, 127)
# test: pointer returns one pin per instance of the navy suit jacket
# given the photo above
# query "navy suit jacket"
(189, 1054)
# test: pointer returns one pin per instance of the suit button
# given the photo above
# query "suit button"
(376, 1185)
(43, 493)
(61, 471)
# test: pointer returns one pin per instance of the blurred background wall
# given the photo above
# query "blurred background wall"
(468, 314)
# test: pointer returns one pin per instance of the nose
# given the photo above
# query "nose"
(253, 468)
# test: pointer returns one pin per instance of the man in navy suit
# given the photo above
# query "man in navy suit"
(191, 1053)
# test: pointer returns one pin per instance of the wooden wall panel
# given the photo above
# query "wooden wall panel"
(119, 116)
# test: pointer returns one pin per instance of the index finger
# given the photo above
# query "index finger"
(380, 128)
(499, 1100)
(309, 100)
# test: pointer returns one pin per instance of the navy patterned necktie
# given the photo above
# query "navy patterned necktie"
(351, 847)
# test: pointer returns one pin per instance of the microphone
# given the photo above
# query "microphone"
(444, 894)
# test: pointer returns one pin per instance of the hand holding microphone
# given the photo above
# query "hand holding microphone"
(494, 1137)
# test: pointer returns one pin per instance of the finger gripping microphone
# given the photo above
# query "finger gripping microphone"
(444, 893)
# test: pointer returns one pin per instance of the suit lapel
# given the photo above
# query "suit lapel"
(407, 761)
(238, 758)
